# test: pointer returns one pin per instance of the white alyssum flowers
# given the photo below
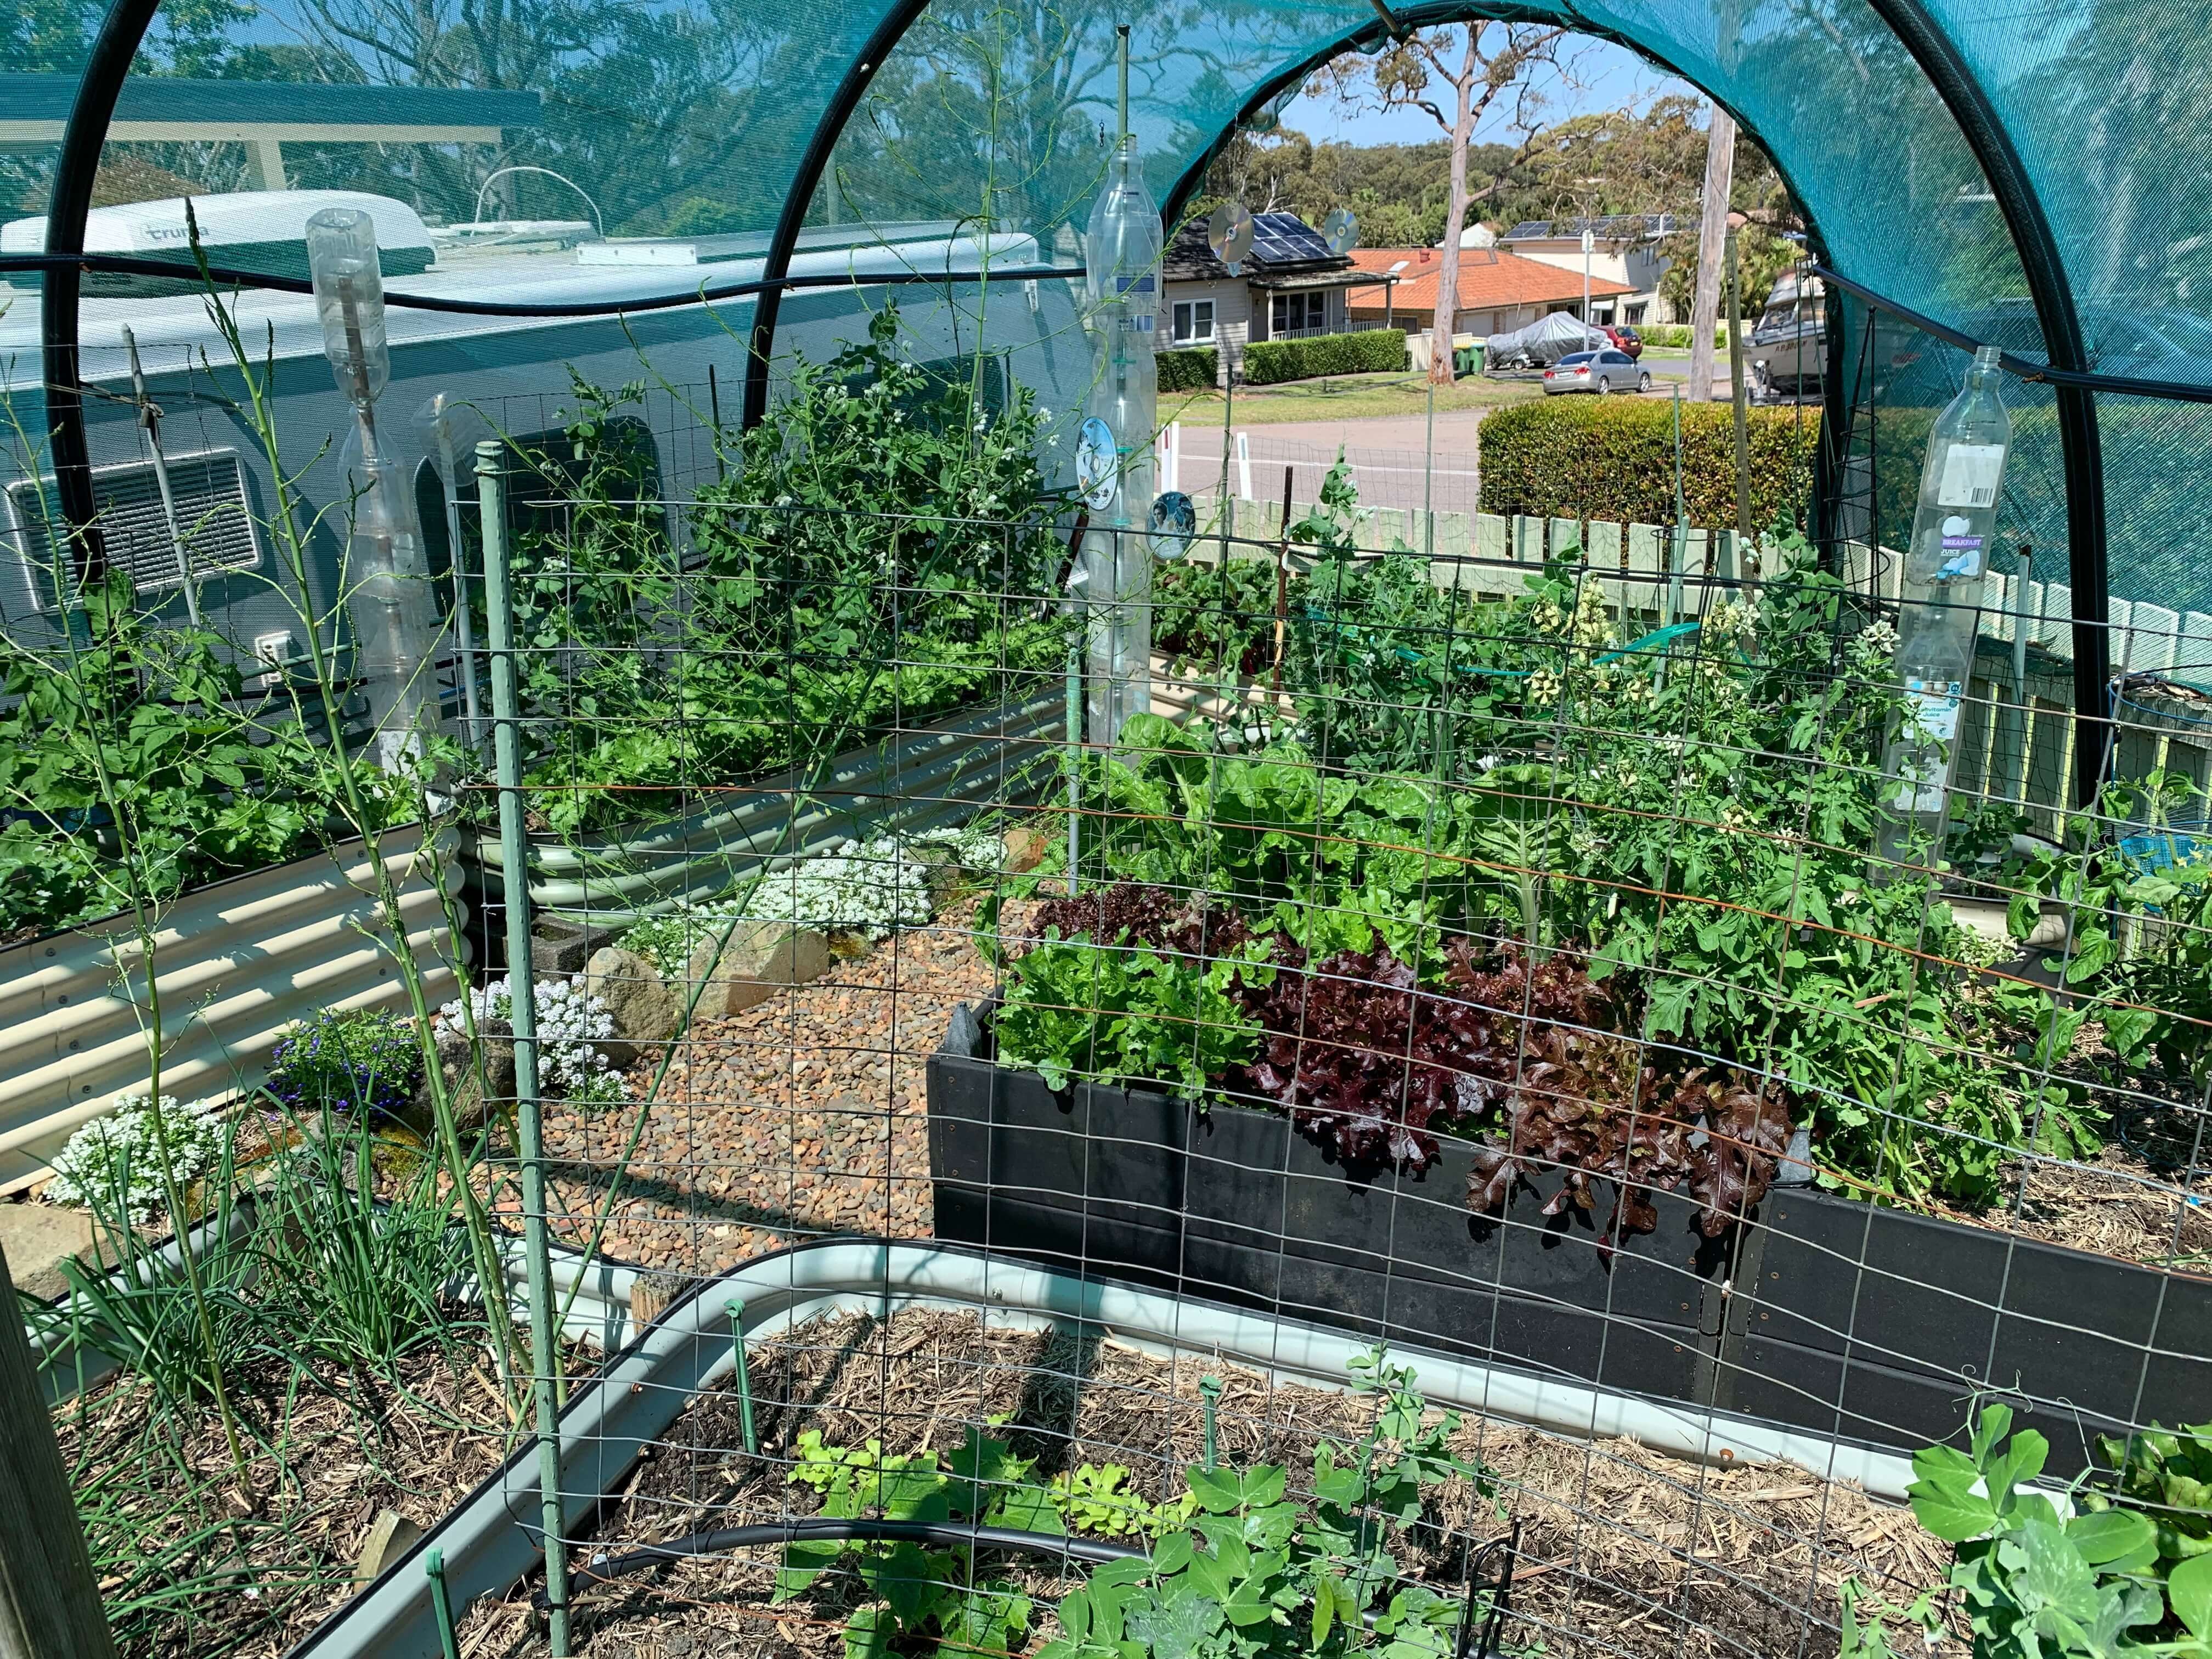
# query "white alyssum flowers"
(571, 1023)
(871, 888)
(118, 1157)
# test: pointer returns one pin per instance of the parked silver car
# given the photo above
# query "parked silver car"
(1596, 371)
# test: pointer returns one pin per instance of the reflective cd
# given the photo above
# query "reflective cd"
(1175, 521)
(1097, 465)
(1340, 230)
(1229, 233)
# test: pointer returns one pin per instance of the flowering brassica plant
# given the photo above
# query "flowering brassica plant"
(117, 1160)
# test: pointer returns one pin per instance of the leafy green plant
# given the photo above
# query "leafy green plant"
(2166, 1476)
(140, 743)
(1368, 351)
(922, 1597)
(1097, 1499)
(1259, 1570)
(2033, 1582)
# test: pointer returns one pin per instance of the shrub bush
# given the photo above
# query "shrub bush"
(1613, 460)
(1678, 334)
(1190, 368)
(1374, 351)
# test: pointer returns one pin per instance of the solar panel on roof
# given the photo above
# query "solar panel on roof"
(1286, 239)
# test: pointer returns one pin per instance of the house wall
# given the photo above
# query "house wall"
(1637, 264)
(1232, 320)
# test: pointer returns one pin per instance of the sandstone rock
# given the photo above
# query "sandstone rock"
(1026, 846)
(761, 958)
(37, 1238)
(646, 1009)
(391, 1535)
(468, 1090)
(558, 945)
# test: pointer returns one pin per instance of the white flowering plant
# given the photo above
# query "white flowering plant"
(571, 1024)
(871, 888)
(115, 1163)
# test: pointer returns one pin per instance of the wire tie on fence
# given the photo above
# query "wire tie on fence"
(736, 1309)
(1209, 1392)
(441, 1603)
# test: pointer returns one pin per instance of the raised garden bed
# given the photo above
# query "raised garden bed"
(1871, 1324)
(1682, 1540)
(238, 961)
(935, 774)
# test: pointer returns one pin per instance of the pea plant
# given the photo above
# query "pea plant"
(2107, 1577)
(1236, 1565)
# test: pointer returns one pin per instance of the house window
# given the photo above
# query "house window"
(1194, 322)
(1294, 312)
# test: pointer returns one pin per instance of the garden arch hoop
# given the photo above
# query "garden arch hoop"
(1322, 29)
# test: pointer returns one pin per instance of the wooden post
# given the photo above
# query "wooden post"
(49, 1601)
(1712, 232)
(1283, 580)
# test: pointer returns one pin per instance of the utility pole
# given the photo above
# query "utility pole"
(49, 1600)
(1712, 233)
(1589, 242)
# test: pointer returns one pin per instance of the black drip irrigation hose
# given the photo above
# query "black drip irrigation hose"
(603, 1569)
(228, 276)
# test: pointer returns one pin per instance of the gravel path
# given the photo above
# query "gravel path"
(804, 1116)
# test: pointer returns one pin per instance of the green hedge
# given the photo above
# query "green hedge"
(1188, 368)
(1678, 334)
(1369, 351)
(1613, 460)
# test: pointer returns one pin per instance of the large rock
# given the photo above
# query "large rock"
(761, 958)
(469, 1092)
(1026, 846)
(646, 1009)
(37, 1238)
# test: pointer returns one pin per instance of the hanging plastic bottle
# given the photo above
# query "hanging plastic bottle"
(1953, 527)
(395, 617)
(1114, 448)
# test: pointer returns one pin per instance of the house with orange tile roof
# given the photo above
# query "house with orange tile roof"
(1497, 291)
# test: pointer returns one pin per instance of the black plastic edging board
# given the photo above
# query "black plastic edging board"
(1841, 1317)
(1899, 1320)
(1229, 1203)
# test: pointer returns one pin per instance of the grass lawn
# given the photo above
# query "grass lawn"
(1346, 396)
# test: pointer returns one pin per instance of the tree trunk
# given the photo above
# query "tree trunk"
(1712, 236)
(49, 1603)
(1440, 349)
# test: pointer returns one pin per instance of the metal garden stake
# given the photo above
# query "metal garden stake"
(735, 1308)
(1209, 1393)
(529, 1128)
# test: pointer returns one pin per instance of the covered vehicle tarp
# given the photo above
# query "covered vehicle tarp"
(1542, 342)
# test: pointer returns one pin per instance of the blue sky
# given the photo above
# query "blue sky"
(1607, 76)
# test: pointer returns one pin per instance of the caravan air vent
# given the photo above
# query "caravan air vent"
(212, 520)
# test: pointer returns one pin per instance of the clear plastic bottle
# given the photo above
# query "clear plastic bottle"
(1953, 528)
(395, 617)
(1113, 446)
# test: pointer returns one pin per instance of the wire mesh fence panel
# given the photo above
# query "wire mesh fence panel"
(1462, 1117)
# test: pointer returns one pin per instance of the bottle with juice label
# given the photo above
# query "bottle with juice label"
(1953, 527)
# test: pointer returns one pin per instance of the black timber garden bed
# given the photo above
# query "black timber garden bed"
(1817, 1311)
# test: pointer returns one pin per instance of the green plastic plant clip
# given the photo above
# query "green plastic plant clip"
(441, 1603)
(736, 1309)
(1209, 1391)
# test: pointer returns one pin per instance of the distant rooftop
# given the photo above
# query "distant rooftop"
(1608, 228)
(1283, 245)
